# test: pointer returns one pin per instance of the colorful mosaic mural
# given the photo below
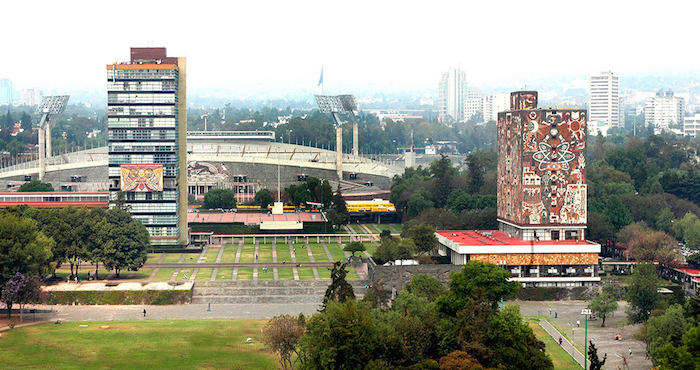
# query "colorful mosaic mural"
(538, 258)
(542, 166)
(141, 177)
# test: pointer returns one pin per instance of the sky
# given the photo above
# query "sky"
(273, 47)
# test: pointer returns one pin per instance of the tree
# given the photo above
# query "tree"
(685, 357)
(423, 237)
(353, 247)
(595, 361)
(668, 328)
(20, 289)
(426, 286)
(641, 293)
(339, 290)
(263, 198)
(36, 185)
(694, 260)
(602, 305)
(23, 248)
(442, 172)
(617, 212)
(282, 335)
(476, 276)
(219, 198)
(656, 245)
(120, 201)
(338, 214)
(345, 336)
(392, 249)
(459, 360)
(513, 343)
(131, 241)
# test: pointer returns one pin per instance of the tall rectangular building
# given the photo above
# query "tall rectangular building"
(6, 91)
(452, 95)
(494, 104)
(665, 110)
(474, 103)
(541, 171)
(147, 133)
(604, 99)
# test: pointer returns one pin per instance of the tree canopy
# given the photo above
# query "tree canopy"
(36, 185)
(220, 198)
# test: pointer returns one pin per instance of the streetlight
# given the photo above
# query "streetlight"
(585, 312)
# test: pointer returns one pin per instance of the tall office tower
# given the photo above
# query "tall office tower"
(5, 91)
(494, 104)
(147, 133)
(541, 171)
(30, 96)
(474, 103)
(452, 95)
(664, 110)
(604, 99)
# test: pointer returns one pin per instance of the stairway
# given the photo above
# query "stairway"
(266, 291)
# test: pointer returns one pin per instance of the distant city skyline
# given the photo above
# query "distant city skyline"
(278, 48)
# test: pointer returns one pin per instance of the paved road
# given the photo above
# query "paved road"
(567, 312)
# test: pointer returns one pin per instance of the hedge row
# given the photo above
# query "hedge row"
(118, 297)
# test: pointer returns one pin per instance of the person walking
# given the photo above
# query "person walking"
(629, 350)
(209, 307)
(578, 323)
(144, 312)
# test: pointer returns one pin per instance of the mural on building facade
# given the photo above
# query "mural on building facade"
(542, 169)
(141, 177)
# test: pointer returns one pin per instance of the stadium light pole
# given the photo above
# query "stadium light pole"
(49, 106)
(585, 312)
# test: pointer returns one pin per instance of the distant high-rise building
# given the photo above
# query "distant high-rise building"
(664, 110)
(604, 99)
(5, 91)
(30, 96)
(494, 104)
(691, 125)
(452, 95)
(147, 133)
(474, 103)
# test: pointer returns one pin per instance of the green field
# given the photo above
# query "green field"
(211, 254)
(356, 228)
(324, 272)
(302, 254)
(176, 344)
(319, 252)
(269, 275)
(248, 253)
(283, 252)
(224, 273)
(154, 257)
(204, 274)
(164, 275)
(245, 273)
(172, 258)
(265, 253)
(306, 273)
(191, 257)
(561, 359)
(229, 253)
(285, 273)
(140, 275)
(82, 274)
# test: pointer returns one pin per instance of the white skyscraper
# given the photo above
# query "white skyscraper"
(452, 94)
(474, 103)
(604, 99)
(31, 96)
(494, 104)
(664, 110)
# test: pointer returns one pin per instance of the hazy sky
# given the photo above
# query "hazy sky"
(251, 46)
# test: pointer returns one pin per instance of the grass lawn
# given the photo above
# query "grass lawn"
(181, 344)
(269, 275)
(369, 247)
(154, 257)
(184, 272)
(224, 273)
(229, 253)
(337, 249)
(356, 228)
(204, 274)
(210, 256)
(285, 273)
(306, 273)
(82, 274)
(302, 255)
(382, 227)
(265, 253)
(248, 253)
(319, 252)
(283, 252)
(324, 272)
(164, 275)
(245, 273)
(561, 359)
(352, 274)
(397, 227)
(191, 257)
(172, 257)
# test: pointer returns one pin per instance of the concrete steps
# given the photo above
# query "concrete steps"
(266, 291)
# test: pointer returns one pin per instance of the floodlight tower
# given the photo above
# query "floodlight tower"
(50, 106)
(335, 105)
